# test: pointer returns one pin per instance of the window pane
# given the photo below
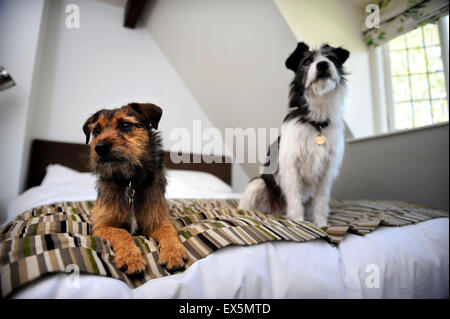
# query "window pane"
(440, 111)
(417, 61)
(414, 38)
(419, 86)
(397, 43)
(422, 113)
(434, 59)
(401, 89)
(403, 116)
(437, 85)
(431, 34)
(399, 63)
(417, 77)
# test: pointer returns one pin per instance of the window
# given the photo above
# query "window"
(416, 62)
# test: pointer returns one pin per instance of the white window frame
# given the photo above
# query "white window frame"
(387, 108)
(443, 37)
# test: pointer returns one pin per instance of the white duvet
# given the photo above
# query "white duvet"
(391, 262)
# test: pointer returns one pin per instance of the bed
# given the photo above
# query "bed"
(408, 262)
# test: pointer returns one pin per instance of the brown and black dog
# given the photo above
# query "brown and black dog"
(127, 158)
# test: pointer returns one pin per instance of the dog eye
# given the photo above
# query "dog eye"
(125, 126)
(96, 131)
(307, 62)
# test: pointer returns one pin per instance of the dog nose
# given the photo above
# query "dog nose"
(322, 65)
(103, 148)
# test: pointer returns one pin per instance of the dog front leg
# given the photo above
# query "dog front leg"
(320, 202)
(172, 254)
(128, 256)
(291, 187)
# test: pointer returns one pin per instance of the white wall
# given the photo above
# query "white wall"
(410, 166)
(103, 65)
(338, 22)
(230, 54)
(20, 22)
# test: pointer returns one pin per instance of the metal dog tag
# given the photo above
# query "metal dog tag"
(320, 139)
(130, 195)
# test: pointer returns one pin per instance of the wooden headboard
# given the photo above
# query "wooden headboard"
(76, 157)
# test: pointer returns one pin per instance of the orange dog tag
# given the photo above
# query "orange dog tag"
(320, 139)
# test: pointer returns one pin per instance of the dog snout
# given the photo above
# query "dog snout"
(322, 66)
(103, 148)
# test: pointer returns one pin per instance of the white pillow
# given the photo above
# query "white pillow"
(181, 183)
(59, 175)
(184, 183)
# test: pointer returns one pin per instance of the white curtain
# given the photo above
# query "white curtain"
(400, 16)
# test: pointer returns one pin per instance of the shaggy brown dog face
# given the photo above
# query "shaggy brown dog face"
(123, 140)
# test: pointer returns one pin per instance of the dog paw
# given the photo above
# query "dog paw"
(296, 214)
(130, 262)
(320, 221)
(172, 257)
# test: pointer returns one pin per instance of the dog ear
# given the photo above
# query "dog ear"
(87, 125)
(87, 128)
(151, 112)
(294, 59)
(341, 55)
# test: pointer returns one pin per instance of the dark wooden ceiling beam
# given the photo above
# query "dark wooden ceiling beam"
(133, 11)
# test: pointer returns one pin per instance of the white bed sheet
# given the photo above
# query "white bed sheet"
(413, 262)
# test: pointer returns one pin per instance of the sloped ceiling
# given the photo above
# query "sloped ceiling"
(230, 55)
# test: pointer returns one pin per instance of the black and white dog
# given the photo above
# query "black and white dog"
(311, 144)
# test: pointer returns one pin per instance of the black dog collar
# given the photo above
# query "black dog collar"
(318, 125)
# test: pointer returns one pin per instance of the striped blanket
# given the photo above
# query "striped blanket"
(57, 238)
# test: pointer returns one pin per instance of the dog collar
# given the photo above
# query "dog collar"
(319, 126)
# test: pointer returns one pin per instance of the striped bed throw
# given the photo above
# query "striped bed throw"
(57, 237)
